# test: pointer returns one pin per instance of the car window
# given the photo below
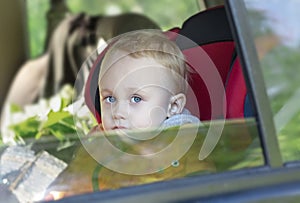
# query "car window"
(276, 31)
(56, 148)
(89, 164)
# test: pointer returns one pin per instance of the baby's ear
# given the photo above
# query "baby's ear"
(176, 105)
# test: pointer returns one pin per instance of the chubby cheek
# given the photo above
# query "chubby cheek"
(105, 124)
(106, 118)
(148, 118)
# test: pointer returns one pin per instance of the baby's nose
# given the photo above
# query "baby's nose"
(120, 111)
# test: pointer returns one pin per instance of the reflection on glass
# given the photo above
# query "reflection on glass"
(276, 31)
(237, 148)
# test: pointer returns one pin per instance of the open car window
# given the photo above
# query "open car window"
(75, 163)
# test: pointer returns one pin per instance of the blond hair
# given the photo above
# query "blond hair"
(153, 44)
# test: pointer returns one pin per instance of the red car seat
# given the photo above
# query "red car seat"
(210, 31)
(217, 83)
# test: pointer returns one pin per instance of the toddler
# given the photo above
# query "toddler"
(142, 83)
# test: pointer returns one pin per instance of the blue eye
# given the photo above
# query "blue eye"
(110, 99)
(136, 99)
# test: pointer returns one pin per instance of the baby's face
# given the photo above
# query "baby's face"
(135, 94)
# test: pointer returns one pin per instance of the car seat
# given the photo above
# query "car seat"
(216, 81)
(210, 31)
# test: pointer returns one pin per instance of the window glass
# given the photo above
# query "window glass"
(79, 166)
(56, 146)
(276, 31)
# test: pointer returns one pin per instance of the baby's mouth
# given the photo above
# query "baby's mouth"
(119, 127)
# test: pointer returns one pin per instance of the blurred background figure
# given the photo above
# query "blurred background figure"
(72, 40)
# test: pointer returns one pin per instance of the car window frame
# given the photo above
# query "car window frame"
(238, 21)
